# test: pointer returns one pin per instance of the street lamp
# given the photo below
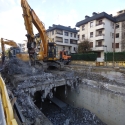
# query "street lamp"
(106, 54)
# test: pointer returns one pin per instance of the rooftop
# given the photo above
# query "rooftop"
(95, 16)
(120, 17)
(60, 27)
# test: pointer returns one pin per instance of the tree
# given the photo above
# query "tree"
(84, 46)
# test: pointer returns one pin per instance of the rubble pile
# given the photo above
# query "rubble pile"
(71, 116)
(96, 77)
(37, 78)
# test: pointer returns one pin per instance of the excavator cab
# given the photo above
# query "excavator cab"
(51, 50)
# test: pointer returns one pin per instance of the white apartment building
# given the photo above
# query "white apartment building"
(23, 46)
(99, 30)
(65, 37)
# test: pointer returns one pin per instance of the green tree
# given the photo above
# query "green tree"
(84, 46)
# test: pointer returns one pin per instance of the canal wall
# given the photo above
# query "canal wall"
(108, 105)
(93, 63)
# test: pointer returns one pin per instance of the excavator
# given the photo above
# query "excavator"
(15, 50)
(41, 50)
(64, 57)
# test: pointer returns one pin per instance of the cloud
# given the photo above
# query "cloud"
(114, 12)
(43, 1)
(12, 24)
(68, 19)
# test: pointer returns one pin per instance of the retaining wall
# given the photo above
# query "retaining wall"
(93, 63)
(108, 106)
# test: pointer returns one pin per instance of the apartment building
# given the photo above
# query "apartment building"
(65, 37)
(120, 31)
(23, 46)
(100, 28)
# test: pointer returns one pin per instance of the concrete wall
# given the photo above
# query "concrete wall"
(107, 106)
(93, 63)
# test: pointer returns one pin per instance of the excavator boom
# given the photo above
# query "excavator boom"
(47, 50)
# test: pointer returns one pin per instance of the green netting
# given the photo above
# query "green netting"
(86, 56)
(118, 56)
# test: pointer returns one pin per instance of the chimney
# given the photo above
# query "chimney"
(94, 13)
(110, 14)
(86, 16)
(54, 25)
(69, 26)
(50, 27)
(74, 28)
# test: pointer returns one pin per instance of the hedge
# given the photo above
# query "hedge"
(85, 56)
(118, 56)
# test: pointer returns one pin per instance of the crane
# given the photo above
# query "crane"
(47, 49)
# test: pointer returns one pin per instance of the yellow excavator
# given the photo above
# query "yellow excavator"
(40, 50)
(6, 109)
(15, 50)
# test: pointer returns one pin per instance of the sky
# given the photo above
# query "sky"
(63, 12)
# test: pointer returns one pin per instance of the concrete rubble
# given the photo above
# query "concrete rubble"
(38, 80)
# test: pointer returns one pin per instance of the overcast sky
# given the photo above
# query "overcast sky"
(63, 12)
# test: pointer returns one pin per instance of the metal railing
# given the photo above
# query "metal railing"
(100, 35)
(100, 23)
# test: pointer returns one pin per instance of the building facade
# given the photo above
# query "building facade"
(100, 28)
(65, 38)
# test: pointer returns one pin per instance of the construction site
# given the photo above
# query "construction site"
(37, 88)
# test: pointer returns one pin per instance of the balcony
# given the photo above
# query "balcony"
(59, 33)
(100, 36)
(59, 41)
(100, 25)
(73, 41)
(99, 48)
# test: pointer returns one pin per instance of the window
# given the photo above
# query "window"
(59, 32)
(75, 35)
(100, 22)
(112, 25)
(117, 45)
(100, 33)
(66, 41)
(66, 33)
(117, 35)
(99, 43)
(116, 26)
(112, 35)
(78, 36)
(91, 44)
(91, 34)
(91, 24)
(52, 32)
(74, 49)
(83, 27)
(83, 36)
(70, 34)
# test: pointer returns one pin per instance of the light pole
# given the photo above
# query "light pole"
(106, 54)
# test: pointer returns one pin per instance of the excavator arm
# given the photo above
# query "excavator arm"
(30, 19)
(7, 42)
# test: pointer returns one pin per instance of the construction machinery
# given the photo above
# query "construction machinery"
(6, 110)
(46, 50)
(64, 57)
(14, 49)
